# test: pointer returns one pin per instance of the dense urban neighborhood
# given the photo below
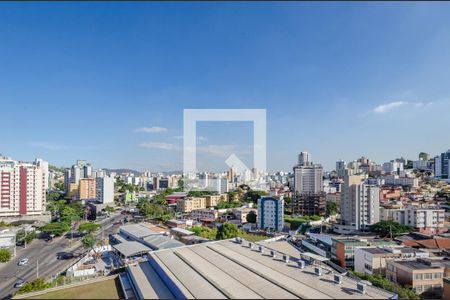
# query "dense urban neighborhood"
(371, 225)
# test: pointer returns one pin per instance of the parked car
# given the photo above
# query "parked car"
(66, 255)
(23, 261)
(19, 283)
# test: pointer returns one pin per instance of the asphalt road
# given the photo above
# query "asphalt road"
(43, 260)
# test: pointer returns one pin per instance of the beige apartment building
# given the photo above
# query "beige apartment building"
(423, 275)
(86, 189)
(213, 200)
(241, 213)
(189, 204)
(72, 190)
(372, 260)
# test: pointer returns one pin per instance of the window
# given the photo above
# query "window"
(418, 288)
(437, 275)
(428, 276)
(418, 276)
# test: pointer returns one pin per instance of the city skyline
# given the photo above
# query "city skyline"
(338, 81)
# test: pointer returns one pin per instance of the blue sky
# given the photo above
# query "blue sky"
(108, 82)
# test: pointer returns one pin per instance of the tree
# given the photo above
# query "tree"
(287, 200)
(253, 196)
(38, 284)
(331, 209)
(89, 227)
(88, 241)
(386, 228)
(403, 292)
(60, 186)
(109, 209)
(227, 231)
(56, 228)
(205, 232)
(5, 255)
(54, 196)
(251, 217)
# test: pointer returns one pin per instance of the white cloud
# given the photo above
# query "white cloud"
(387, 107)
(384, 108)
(163, 146)
(153, 129)
(48, 146)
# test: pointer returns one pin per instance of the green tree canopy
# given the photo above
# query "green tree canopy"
(385, 228)
(251, 217)
(56, 228)
(88, 241)
(227, 231)
(205, 232)
(36, 285)
(5, 255)
(253, 196)
(89, 227)
(331, 209)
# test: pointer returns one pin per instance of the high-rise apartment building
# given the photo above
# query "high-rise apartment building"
(104, 189)
(442, 165)
(340, 168)
(360, 204)
(308, 187)
(23, 187)
(86, 189)
(308, 177)
(304, 159)
(270, 213)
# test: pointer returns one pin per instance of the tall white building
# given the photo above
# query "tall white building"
(104, 189)
(219, 184)
(360, 203)
(393, 167)
(23, 187)
(270, 213)
(304, 159)
(308, 177)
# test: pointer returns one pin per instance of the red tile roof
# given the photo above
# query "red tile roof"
(436, 243)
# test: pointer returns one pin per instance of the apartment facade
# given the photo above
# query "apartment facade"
(424, 220)
(213, 200)
(189, 204)
(360, 204)
(308, 179)
(104, 189)
(372, 260)
(23, 187)
(422, 275)
(270, 213)
(309, 204)
(442, 165)
(86, 189)
(343, 249)
(205, 213)
(241, 213)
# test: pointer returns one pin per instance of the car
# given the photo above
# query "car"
(23, 261)
(19, 283)
(67, 255)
